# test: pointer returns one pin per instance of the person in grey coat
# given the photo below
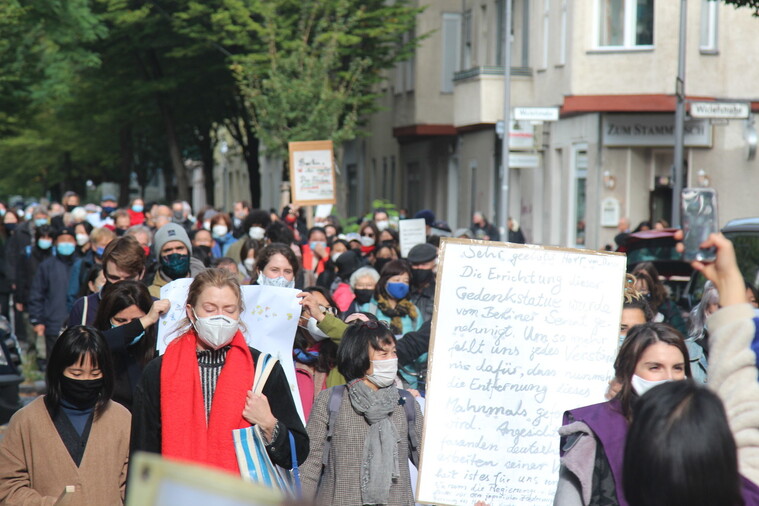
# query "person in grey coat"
(368, 446)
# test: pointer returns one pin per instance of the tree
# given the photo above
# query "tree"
(751, 4)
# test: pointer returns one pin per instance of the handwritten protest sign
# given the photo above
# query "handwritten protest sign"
(269, 323)
(520, 334)
(312, 174)
(411, 233)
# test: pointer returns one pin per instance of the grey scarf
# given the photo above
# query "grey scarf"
(379, 464)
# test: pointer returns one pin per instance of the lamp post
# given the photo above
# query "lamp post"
(679, 117)
(504, 200)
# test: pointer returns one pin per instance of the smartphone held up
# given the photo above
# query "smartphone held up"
(699, 220)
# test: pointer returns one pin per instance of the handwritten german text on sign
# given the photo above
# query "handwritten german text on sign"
(521, 334)
(312, 174)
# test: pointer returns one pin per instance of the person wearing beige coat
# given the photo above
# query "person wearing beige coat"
(74, 436)
(35, 465)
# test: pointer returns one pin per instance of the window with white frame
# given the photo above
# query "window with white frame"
(451, 49)
(578, 197)
(708, 38)
(625, 23)
(467, 35)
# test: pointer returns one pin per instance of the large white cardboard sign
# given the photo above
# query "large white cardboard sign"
(270, 320)
(520, 334)
(411, 233)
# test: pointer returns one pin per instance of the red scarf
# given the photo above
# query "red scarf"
(185, 434)
(308, 260)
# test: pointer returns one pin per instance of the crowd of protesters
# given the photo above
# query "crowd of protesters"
(82, 284)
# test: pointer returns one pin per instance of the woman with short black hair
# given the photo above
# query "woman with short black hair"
(277, 265)
(367, 437)
(73, 435)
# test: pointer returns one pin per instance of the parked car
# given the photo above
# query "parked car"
(744, 232)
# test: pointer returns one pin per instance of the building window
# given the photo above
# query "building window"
(546, 31)
(466, 29)
(451, 50)
(578, 198)
(385, 179)
(409, 64)
(625, 23)
(391, 195)
(708, 38)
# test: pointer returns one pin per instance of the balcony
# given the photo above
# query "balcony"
(478, 94)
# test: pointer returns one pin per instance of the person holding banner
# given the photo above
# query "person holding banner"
(189, 400)
(366, 437)
(592, 438)
(390, 301)
(684, 445)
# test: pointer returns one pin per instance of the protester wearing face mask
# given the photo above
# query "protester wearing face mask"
(381, 219)
(315, 255)
(123, 260)
(29, 262)
(423, 260)
(190, 399)
(253, 226)
(174, 257)
(248, 254)
(136, 212)
(313, 351)
(240, 211)
(73, 435)
(390, 300)
(47, 296)
(369, 237)
(651, 354)
(221, 231)
(383, 255)
(277, 265)
(127, 316)
(369, 443)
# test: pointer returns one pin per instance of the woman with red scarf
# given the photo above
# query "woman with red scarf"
(190, 399)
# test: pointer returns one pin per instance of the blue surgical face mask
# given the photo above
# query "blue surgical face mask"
(44, 243)
(137, 208)
(99, 251)
(38, 222)
(397, 290)
(315, 244)
(66, 248)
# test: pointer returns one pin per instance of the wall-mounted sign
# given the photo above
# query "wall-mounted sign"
(653, 130)
(609, 212)
(536, 113)
(726, 110)
(524, 160)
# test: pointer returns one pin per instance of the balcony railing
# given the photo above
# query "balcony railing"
(492, 70)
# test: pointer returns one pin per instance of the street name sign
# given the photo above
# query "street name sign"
(536, 113)
(719, 110)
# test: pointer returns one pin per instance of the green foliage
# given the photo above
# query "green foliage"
(751, 4)
(316, 74)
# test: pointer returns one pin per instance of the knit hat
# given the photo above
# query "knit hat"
(171, 232)
(427, 215)
(422, 253)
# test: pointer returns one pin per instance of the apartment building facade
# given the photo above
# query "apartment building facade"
(610, 66)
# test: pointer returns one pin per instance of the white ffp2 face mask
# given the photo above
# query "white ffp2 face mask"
(315, 331)
(641, 386)
(280, 282)
(383, 372)
(216, 331)
(256, 233)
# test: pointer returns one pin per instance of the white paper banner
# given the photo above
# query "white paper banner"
(411, 233)
(270, 320)
(521, 334)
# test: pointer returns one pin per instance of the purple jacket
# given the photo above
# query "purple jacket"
(610, 427)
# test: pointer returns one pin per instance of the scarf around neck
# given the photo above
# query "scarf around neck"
(379, 462)
(404, 307)
(185, 434)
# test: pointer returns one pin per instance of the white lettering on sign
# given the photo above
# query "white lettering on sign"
(521, 334)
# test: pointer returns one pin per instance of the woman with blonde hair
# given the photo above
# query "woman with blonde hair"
(190, 400)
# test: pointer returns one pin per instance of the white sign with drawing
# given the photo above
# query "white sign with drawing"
(520, 334)
(268, 323)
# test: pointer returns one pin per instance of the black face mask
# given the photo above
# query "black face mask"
(421, 277)
(83, 394)
(363, 296)
(70, 208)
(379, 263)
